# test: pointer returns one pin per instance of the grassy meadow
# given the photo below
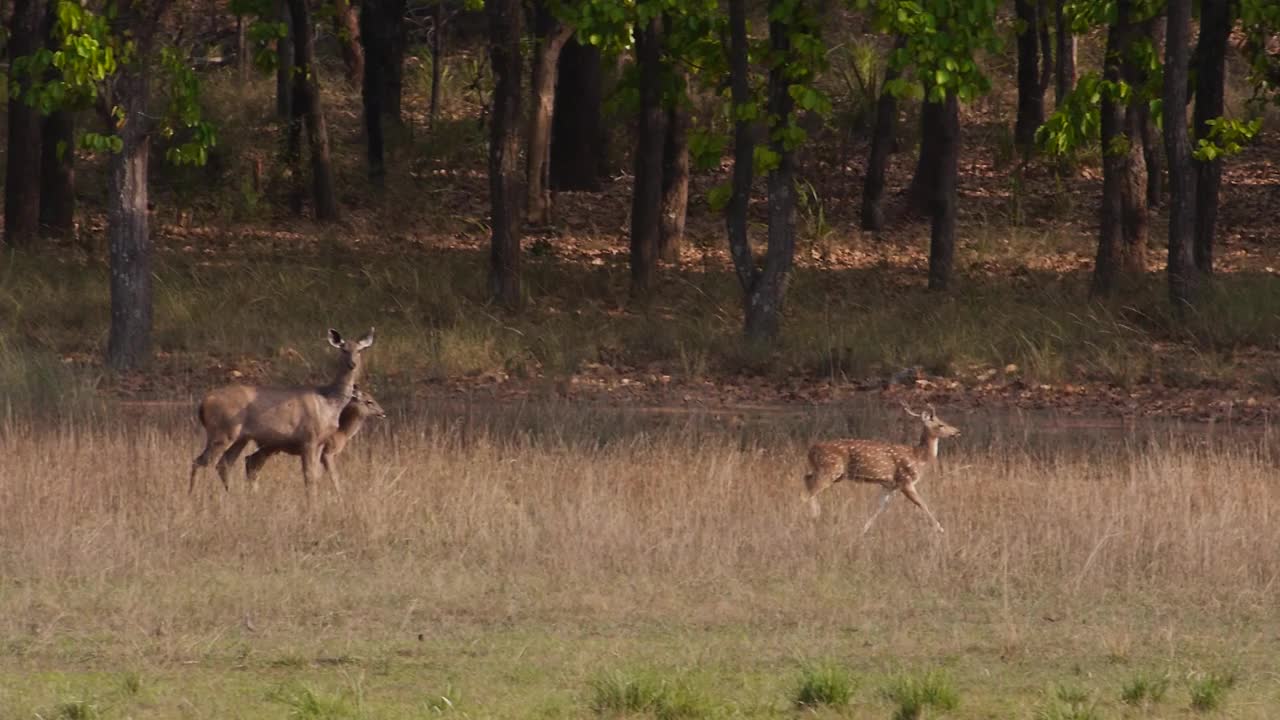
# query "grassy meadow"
(546, 560)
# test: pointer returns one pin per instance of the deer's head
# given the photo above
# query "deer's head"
(350, 359)
(933, 425)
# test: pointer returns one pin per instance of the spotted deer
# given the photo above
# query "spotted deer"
(362, 407)
(896, 468)
(302, 417)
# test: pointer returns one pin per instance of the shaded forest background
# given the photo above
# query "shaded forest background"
(543, 201)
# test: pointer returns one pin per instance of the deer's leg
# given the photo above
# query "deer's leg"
(228, 459)
(310, 461)
(213, 447)
(815, 482)
(885, 496)
(910, 491)
(253, 465)
(330, 466)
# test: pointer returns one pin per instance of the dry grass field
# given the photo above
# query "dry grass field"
(547, 560)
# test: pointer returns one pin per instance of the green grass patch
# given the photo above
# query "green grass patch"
(824, 685)
(912, 695)
(647, 693)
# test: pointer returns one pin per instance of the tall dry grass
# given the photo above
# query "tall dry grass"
(567, 512)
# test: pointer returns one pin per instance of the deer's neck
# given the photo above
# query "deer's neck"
(927, 451)
(350, 423)
(343, 385)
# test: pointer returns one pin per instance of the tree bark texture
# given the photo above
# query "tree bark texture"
(922, 191)
(1183, 281)
(942, 236)
(347, 28)
(1030, 92)
(58, 175)
(1065, 55)
(646, 196)
(1152, 146)
(22, 173)
(504, 151)
(740, 199)
(538, 152)
(675, 184)
(128, 233)
(1045, 38)
(577, 133)
(1211, 51)
(769, 289)
(1123, 218)
(307, 104)
(881, 147)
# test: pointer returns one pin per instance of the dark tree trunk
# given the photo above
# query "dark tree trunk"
(306, 94)
(1030, 92)
(768, 291)
(646, 196)
(538, 152)
(393, 68)
(437, 60)
(284, 64)
(922, 191)
(1183, 280)
(376, 31)
(1122, 235)
(1215, 27)
(1043, 29)
(346, 26)
(21, 194)
(942, 236)
(743, 146)
(881, 147)
(58, 175)
(577, 135)
(1065, 57)
(128, 233)
(675, 184)
(504, 151)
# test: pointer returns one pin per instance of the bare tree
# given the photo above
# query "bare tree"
(504, 151)
(1183, 280)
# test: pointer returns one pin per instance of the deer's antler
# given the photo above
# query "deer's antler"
(909, 411)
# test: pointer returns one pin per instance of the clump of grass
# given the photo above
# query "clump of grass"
(913, 694)
(304, 703)
(1144, 690)
(824, 685)
(443, 703)
(1209, 691)
(77, 710)
(131, 684)
(622, 693)
(1069, 703)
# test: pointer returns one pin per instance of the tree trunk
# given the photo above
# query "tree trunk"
(284, 64)
(881, 146)
(307, 104)
(58, 175)
(128, 234)
(393, 68)
(1215, 27)
(242, 50)
(646, 196)
(923, 188)
(375, 34)
(1183, 281)
(1030, 92)
(21, 195)
(764, 302)
(346, 26)
(538, 167)
(675, 184)
(1046, 49)
(942, 236)
(576, 130)
(504, 151)
(437, 60)
(743, 146)
(1065, 57)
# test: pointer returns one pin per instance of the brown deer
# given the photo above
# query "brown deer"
(302, 417)
(896, 468)
(362, 407)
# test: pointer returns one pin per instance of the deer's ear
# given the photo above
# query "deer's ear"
(365, 341)
(335, 338)
(927, 414)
